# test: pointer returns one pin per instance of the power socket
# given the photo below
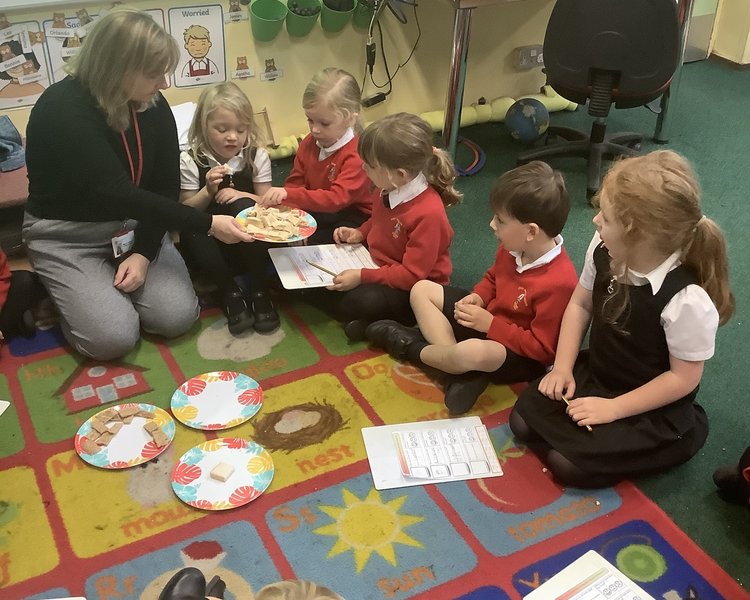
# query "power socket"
(528, 57)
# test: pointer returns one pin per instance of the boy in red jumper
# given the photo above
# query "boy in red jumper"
(506, 329)
(408, 234)
(327, 179)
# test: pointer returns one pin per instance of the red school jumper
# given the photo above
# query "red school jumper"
(410, 242)
(527, 307)
(329, 185)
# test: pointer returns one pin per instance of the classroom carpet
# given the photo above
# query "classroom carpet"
(68, 528)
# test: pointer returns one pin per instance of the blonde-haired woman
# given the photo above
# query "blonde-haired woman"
(102, 158)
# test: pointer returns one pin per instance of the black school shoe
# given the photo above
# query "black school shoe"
(463, 391)
(266, 318)
(239, 317)
(186, 584)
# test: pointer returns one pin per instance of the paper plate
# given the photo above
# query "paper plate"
(306, 229)
(217, 400)
(193, 484)
(132, 445)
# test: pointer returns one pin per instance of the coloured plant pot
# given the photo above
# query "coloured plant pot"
(299, 25)
(335, 20)
(266, 19)
(362, 14)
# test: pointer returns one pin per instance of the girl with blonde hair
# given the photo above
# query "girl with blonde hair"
(327, 179)
(225, 164)
(654, 289)
(102, 160)
(408, 234)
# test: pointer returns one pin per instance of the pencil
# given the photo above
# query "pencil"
(568, 403)
(317, 266)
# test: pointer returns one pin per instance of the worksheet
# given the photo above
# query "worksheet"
(315, 266)
(430, 452)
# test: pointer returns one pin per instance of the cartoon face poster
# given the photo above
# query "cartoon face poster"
(23, 67)
(199, 31)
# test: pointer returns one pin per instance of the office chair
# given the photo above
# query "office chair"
(607, 51)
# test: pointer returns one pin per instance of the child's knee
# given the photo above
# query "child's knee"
(423, 289)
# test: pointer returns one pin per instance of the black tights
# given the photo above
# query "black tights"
(564, 471)
(25, 291)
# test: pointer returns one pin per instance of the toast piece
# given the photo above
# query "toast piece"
(222, 472)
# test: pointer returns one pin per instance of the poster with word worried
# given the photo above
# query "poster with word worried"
(199, 31)
(64, 36)
(23, 66)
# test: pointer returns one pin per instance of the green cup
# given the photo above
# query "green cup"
(362, 15)
(335, 20)
(266, 19)
(301, 25)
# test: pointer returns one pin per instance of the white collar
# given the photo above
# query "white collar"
(339, 143)
(657, 276)
(236, 163)
(544, 259)
(408, 191)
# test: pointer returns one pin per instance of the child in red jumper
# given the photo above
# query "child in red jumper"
(327, 179)
(408, 234)
(509, 324)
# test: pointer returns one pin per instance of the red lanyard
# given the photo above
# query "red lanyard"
(135, 177)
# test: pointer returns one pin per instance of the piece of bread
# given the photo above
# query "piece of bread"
(222, 472)
(128, 410)
(160, 438)
(89, 446)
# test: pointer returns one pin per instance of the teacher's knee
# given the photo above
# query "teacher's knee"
(173, 319)
(117, 340)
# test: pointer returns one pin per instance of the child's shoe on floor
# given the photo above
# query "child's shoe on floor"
(239, 317)
(267, 320)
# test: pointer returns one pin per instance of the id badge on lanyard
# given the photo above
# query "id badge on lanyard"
(122, 241)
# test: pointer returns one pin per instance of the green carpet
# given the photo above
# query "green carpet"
(708, 125)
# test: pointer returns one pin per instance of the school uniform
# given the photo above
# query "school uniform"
(331, 185)
(409, 238)
(215, 260)
(669, 314)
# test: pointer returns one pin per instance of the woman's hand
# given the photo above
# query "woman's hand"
(131, 273)
(214, 177)
(593, 410)
(274, 196)
(226, 229)
(472, 316)
(558, 383)
(347, 235)
(347, 280)
(228, 195)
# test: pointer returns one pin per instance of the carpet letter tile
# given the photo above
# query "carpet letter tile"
(23, 524)
(11, 438)
(233, 552)
(524, 506)
(311, 427)
(393, 543)
(104, 509)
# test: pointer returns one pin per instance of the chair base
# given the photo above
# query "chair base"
(577, 143)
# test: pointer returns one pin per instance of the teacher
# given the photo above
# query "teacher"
(103, 164)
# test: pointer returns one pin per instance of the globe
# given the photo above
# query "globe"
(527, 120)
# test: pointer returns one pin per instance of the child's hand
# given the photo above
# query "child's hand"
(347, 280)
(592, 410)
(472, 298)
(347, 235)
(214, 177)
(274, 196)
(558, 383)
(228, 195)
(472, 316)
(131, 273)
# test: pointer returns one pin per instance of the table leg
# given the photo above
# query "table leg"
(457, 78)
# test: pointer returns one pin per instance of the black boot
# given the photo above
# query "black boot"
(239, 318)
(462, 391)
(355, 330)
(186, 584)
(267, 320)
(400, 341)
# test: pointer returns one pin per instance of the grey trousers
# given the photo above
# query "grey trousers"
(75, 263)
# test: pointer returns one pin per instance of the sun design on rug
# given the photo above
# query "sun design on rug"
(367, 526)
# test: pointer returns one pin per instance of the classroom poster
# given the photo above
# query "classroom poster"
(24, 73)
(199, 31)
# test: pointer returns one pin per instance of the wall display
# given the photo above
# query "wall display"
(235, 12)
(63, 41)
(199, 31)
(271, 71)
(24, 72)
(243, 71)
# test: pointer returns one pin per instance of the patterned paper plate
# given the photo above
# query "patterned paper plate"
(252, 474)
(217, 400)
(306, 229)
(132, 445)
